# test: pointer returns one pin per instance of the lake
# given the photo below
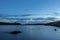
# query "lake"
(29, 32)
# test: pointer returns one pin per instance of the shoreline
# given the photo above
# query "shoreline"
(56, 24)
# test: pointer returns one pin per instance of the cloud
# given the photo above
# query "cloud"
(25, 15)
(28, 18)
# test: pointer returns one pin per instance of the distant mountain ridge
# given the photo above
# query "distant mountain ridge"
(6, 23)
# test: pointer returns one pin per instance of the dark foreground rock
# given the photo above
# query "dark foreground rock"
(14, 32)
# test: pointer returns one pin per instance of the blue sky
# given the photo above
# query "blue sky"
(33, 7)
(18, 10)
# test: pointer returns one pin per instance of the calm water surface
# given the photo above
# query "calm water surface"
(29, 32)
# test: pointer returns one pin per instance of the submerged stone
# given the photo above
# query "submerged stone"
(55, 29)
(14, 32)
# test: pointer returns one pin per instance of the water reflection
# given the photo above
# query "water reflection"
(29, 32)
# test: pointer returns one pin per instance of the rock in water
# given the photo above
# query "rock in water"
(14, 32)
(55, 29)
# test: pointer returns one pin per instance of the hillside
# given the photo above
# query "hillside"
(56, 23)
(7, 23)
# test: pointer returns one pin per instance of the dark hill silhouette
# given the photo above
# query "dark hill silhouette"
(7, 23)
(56, 23)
